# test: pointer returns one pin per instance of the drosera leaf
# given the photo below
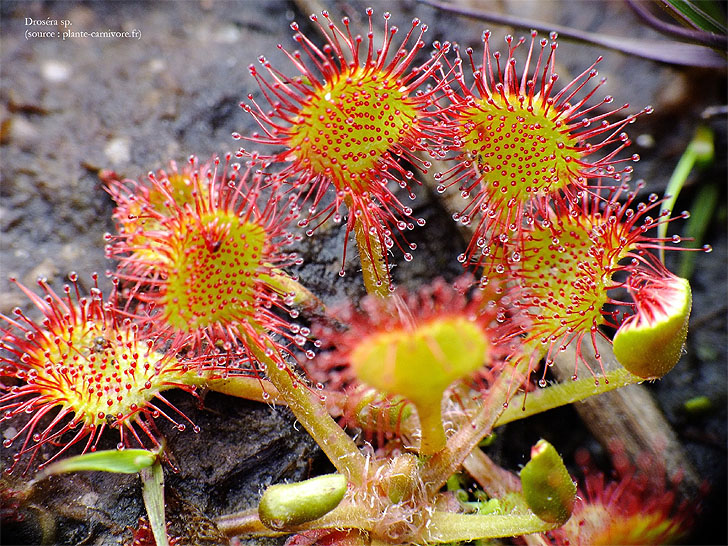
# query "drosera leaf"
(547, 485)
(126, 461)
(153, 495)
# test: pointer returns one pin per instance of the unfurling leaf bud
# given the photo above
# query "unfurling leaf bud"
(651, 344)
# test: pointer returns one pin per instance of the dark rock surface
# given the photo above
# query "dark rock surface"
(71, 107)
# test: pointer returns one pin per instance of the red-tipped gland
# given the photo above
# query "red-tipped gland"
(567, 264)
(88, 367)
(524, 143)
(346, 120)
(207, 266)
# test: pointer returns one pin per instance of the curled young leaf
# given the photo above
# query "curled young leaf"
(651, 342)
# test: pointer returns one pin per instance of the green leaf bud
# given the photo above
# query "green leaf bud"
(290, 504)
(547, 485)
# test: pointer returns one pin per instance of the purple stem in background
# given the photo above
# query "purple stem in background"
(670, 52)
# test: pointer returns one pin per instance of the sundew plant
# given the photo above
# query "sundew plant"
(402, 387)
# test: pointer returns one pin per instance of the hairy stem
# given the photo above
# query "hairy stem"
(250, 388)
(561, 394)
(438, 468)
(450, 527)
(312, 414)
(374, 266)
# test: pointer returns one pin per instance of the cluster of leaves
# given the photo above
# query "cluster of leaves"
(204, 293)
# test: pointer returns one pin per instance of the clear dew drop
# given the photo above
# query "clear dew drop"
(542, 383)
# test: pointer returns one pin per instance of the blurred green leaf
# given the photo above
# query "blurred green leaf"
(702, 211)
(153, 495)
(125, 461)
(705, 15)
(700, 151)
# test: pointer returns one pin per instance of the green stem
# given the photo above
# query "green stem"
(250, 388)
(342, 517)
(525, 405)
(311, 413)
(438, 468)
(374, 266)
(451, 527)
(244, 523)
(432, 437)
(153, 495)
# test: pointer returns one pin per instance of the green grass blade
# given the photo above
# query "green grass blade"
(700, 151)
(153, 495)
(703, 15)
